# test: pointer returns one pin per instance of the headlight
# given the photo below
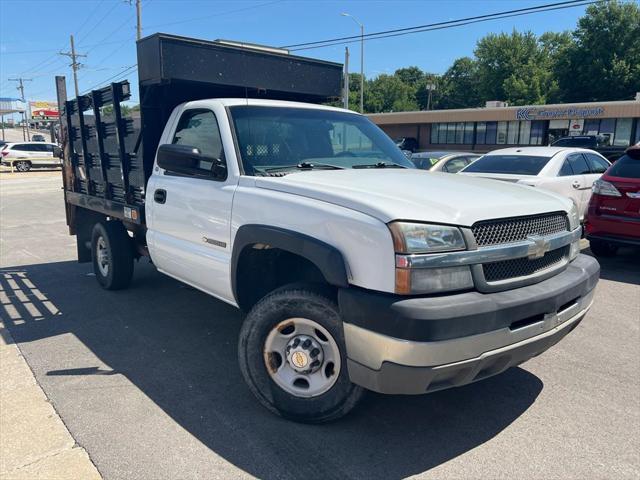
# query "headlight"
(574, 216)
(423, 238)
(417, 238)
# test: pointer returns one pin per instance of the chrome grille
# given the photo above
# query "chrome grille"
(495, 232)
(522, 267)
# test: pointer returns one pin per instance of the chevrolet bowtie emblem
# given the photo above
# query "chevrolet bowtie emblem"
(539, 248)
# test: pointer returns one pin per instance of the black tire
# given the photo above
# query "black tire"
(22, 165)
(119, 250)
(295, 301)
(602, 249)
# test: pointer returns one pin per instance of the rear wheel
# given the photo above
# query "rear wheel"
(112, 255)
(22, 165)
(293, 358)
(602, 249)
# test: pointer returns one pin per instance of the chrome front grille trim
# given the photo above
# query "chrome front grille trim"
(509, 230)
(496, 253)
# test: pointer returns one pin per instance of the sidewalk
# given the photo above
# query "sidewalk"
(34, 442)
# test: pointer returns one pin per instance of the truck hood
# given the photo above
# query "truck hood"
(418, 195)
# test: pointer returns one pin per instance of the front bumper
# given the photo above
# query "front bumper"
(405, 345)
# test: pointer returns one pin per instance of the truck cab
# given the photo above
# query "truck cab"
(354, 270)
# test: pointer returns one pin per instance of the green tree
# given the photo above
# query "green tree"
(410, 75)
(388, 93)
(514, 68)
(603, 63)
(459, 86)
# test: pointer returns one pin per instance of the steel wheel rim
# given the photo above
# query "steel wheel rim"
(102, 256)
(285, 363)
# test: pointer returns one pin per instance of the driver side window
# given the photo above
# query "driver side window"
(199, 128)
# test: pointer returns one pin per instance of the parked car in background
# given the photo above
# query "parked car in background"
(598, 143)
(450, 162)
(613, 218)
(407, 143)
(567, 171)
(26, 155)
(38, 138)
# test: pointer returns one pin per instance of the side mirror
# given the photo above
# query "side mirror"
(187, 160)
(57, 152)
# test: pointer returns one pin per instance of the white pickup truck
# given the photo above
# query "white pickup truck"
(355, 270)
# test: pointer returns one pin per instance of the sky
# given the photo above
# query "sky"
(33, 32)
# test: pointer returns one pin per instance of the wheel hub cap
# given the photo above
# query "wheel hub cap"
(304, 354)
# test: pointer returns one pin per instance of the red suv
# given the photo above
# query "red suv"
(613, 218)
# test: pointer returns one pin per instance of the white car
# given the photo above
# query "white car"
(450, 162)
(567, 171)
(25, 155)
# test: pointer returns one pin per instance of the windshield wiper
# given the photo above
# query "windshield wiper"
(378, 165)
(304, 166)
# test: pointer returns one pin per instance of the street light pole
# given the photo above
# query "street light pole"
(361, 59)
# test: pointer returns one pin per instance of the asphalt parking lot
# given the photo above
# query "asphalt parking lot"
(146, 380)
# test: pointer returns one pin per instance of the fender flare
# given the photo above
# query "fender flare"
(327, 258)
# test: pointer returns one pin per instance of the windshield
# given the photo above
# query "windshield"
(509, 164)
(271, 138)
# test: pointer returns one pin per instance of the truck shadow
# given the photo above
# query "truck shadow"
(623, 267)
(178, 347)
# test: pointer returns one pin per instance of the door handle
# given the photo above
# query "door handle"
(160, 196)
(576, 184)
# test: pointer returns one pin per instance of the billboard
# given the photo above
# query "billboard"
(43, 110)
(11, 105)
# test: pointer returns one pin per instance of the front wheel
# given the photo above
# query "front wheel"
(292, 355)
(22, 166)
(112, 255)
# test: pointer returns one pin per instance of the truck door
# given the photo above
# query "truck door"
(188, 217)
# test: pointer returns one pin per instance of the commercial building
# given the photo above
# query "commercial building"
(498, 126)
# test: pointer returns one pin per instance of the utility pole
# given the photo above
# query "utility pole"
(345, 99)
(361, 59)
(138, 19)
(75, 66)
(24, 114)
(430, 89)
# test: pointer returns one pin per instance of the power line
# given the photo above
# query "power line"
(440, 25)
(93, 12)
(115, 4)
(215, 14)
(113, 77)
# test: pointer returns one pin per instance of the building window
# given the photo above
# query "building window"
(434, 133)
(451, 133)
(607, 129)
(591, 126)
(622, 137)
(501, 137)
(492, 128)
(468, 133)
(537, 132)
(442, 133)
(512, 132)
(460, 132)
(637, 130)
(481, 132)
(525, 132)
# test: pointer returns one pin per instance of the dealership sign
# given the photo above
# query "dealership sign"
(44, 110)
(541, 113)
